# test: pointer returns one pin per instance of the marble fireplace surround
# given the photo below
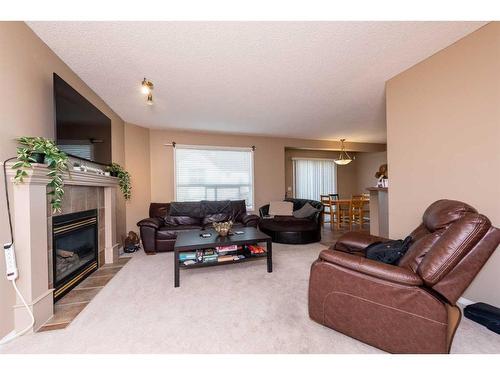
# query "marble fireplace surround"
(32, 234)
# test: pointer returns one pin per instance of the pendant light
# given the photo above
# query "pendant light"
(344, 157)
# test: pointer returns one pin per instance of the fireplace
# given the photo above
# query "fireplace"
(74, 250)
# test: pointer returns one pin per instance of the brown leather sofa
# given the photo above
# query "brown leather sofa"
(159, 231)
(409, 307)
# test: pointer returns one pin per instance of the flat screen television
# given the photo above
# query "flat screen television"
(82, 130)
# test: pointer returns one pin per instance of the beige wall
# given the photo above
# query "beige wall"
(26, 97)
(443, 128)
(368, 163)
(138, 165)
(352, 178)
(269, 159)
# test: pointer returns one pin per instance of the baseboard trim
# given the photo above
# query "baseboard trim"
(465, 302)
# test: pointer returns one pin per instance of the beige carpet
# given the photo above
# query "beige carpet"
(227, 309)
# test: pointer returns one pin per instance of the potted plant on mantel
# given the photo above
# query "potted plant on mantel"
(116, 170)
(44, 151)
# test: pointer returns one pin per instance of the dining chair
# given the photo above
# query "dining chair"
(358, 203)
(327, 204)
(342, 212)
(366, 209)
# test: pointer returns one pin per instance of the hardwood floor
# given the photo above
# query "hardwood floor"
(329, 236)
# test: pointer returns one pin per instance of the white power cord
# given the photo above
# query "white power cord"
(9, 339)
(10, 262)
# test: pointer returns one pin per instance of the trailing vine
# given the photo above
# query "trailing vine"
(123, 179)
(56, 160)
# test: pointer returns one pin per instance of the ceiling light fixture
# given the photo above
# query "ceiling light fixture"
(146, 86)
(344, 157)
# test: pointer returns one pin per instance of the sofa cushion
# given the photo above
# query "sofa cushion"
(306, 211)
(215, 218)
(191, 209)
(280, 208)
(298, 203)
(159, 209)
(170, 233)
(215, 207)
(238, 209)
(174, 221)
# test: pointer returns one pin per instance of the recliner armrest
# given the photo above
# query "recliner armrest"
(250, 220)
(371, 267)
(352, 242)
(152, 222)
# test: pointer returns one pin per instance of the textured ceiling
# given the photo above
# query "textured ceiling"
(318, 80)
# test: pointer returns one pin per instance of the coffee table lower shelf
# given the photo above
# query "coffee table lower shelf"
(191, 241)
(213, 264)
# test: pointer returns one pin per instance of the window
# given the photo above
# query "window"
(314, 177)
(214, 173)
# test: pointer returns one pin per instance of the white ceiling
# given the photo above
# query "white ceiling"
(317, 80)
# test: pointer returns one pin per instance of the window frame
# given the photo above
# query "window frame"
(219, 148)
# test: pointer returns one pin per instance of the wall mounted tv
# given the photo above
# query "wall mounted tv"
(81, 129)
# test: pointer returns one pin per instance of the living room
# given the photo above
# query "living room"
(297, 146)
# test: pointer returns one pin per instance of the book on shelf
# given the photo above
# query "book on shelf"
(225, 258)
(227, 248)
(209, 252)
(187, 256)
(189, 262)
(256, 249)
(210, 258)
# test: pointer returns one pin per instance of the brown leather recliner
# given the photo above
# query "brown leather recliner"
(409, 307)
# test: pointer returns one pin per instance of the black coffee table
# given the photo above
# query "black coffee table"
(192, 241)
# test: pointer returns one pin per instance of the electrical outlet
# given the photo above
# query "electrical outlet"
(10, 261)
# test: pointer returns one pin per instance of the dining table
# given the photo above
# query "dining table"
(341, 208)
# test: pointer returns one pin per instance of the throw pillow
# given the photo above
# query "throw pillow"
(305, 211)
(281, 208)
(215, 218)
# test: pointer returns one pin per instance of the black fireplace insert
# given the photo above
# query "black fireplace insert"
(74, 249)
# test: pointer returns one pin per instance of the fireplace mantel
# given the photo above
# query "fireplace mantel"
(29, 213)
(38, 175)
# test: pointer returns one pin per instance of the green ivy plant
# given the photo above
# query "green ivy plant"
(56, 160)
(123, 179)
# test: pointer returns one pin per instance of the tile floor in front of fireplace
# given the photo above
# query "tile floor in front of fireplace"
(69, 306)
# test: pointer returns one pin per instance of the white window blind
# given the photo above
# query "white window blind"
(314, 177)
(214, 174)
(85, 151)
